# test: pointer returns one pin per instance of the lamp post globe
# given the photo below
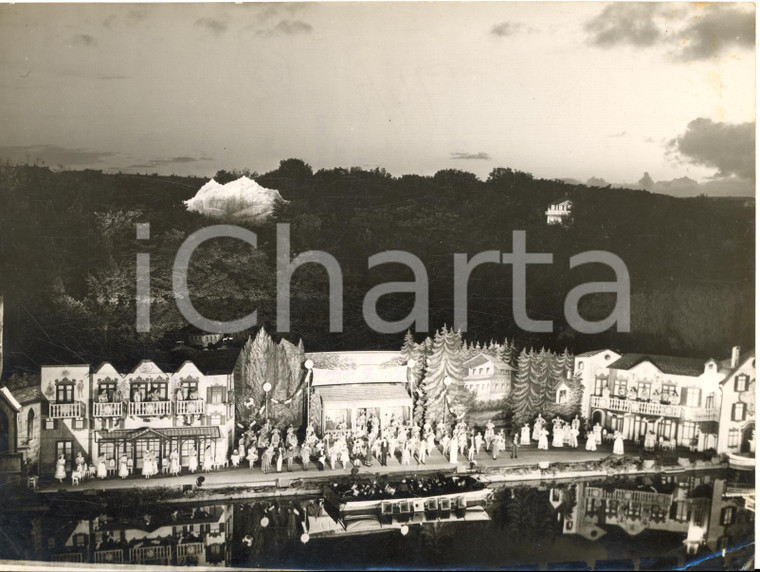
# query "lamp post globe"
(267, 387)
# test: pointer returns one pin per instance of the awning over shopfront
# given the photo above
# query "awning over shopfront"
(165, 433)
(359, 375)
(357, 395)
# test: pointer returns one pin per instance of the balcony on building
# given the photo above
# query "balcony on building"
(150, 408)
(150, 555)
(655, 408)
(115, 556)
(188, 551)
(634, 406)
(191, 407)
(66, 410)
(107, 409)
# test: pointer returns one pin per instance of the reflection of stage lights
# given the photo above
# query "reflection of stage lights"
(264, 522)
(404, 530)
(305, 537)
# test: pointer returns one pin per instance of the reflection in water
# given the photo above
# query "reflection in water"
(646, 522)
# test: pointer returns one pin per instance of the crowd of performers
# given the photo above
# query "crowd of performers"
(564, 434)
(406, 442)
(267, 447)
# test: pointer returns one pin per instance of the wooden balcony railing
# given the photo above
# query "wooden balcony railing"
(107, 409)
(191, 407)
(150, 408)
(700, 414)
(633, 406)
(189, 550)
(66, 410)
(150, 554)
(109, 556)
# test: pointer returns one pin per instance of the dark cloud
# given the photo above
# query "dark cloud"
(689, 32)
(624, 23)
(172, 161)
(213, 25)
(596, 182)
(470, 156)
(719, 29)
(727, 147)
(506, 29)
(287, 28)
(51, 155)
(85, 40)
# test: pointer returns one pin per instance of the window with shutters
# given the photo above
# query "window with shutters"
(741, 382)
(733, 438)
(216, 419)
(64, 392)
(216, 395)
(738, 411)
(727, 515)
(621, 387)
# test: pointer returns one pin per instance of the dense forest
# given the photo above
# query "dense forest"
(68, 250)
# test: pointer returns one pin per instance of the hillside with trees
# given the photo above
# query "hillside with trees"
(68, 250)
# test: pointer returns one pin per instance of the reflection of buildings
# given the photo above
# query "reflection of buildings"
(321, 523)
(683, 401)
(488, 376)
(180, 535)
(351, 386)
(108, 413)
(696, 506)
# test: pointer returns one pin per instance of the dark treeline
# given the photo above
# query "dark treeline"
(68, 246)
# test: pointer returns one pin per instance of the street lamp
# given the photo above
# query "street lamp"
(267, 387)
(412, 386)
(309, 365)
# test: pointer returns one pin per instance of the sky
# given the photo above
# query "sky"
(561, 90)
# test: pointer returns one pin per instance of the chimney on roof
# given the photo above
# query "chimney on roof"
(735, 351)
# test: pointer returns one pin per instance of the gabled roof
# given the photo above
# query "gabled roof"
(560, 201)
(358, 392)
(666, 364)
(360, 375)
(166, 432)
(147, 364)
(729, 371)
(26, 395)
(484, 357)
(356, 359)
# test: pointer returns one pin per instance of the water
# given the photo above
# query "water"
(665, 521)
